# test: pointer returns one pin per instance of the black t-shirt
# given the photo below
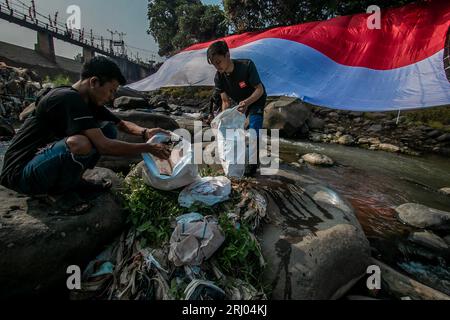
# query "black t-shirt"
(241, 83)
(60, 113)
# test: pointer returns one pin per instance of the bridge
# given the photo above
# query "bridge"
(48, 29)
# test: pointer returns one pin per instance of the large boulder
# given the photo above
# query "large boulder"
(38, 243)
(420, 216)
(128, 103)
(145, 120)
(313, 244)
(6, 130)
(318, 159)
(287, 115)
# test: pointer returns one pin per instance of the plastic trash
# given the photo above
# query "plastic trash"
(231, 147)
(203, 290)
(209, 191)
(195, 240)
(176, 172)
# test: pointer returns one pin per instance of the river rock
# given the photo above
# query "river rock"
(6, 130)
(375, 141)
(421, 216)
(38, 245)
(363, 141)
(346, 140)
(434, 134)
(429, 240)
(313, 244)
(127, 103)
(375, 128)
(145, 120)
(315, 123)
(445, 191)
(316, 137)
(318, 159)
(444, 137)
(287, 115)
(388, 147)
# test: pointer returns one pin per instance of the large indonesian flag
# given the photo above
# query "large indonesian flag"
(338, 63)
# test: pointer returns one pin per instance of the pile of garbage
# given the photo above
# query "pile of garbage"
(18, 88)
(193, 244)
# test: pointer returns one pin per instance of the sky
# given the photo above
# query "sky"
(125, 16)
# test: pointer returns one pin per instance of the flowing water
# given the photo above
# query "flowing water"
(375, 182)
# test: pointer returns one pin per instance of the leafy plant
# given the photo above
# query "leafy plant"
(151, 211)
(59, 80)
(240, 254)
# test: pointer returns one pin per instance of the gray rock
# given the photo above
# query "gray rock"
(363, 141)
(38, 246)
(315, 123)
(313, 244)
(447, 240)
(6, 130)
(375, 128)
(318, 159)
(374, 141)
(316, 137)
(388, 147)
(287, 115)
(444, 137)
(421, 216)
(434, 134)
(429, 240)
(346, 140)
(127, 103)
(445, 190)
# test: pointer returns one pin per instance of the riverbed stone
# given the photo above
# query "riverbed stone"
(429, 239)
(318, 159)
(313, 244)
(346, 140)
(39, 242)
(388, 147)
(445, 190)
(421, 216)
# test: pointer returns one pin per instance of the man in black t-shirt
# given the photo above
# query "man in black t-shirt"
(238, 80)
(66, 135)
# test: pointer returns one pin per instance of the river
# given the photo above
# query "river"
(375, 182)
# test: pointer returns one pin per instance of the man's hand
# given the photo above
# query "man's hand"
(150, 133)
(243, 107)
(160, 151)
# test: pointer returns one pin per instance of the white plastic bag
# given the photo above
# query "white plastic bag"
(209, 191)
(194, 240)
(232, 148)
(174, 173)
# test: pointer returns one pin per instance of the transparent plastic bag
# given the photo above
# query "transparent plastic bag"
(176, 172)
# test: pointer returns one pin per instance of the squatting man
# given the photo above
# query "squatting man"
(68, 132)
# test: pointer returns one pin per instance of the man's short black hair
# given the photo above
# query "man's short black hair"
(103, 68)
(217, 48)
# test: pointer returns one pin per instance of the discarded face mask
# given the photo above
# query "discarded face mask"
(209, 191)
(195, 240)
(176, 172)
(231, 148)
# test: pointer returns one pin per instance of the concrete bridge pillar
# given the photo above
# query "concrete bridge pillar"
(88, 54)
(45, 45)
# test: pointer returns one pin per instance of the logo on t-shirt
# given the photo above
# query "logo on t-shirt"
(242, 84)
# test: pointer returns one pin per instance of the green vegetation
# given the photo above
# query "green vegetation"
(152, 213)
(188, 92)
(176, 24)
(59, 80)
(438, 118)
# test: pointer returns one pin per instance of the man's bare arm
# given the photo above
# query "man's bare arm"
(114, 147)
(136, 130)
(225, 101)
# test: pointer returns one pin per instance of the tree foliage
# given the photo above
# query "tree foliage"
(176, 24)
(250, 15)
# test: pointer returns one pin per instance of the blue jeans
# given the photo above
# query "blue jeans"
(256, 122)
(56, 170)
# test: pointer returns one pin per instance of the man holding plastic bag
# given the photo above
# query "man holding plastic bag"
(239, 80)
